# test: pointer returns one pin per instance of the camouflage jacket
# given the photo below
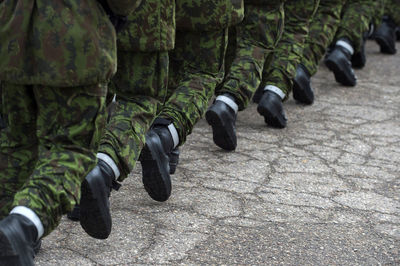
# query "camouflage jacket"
(208, 15)
(56, 43)
(150, 28)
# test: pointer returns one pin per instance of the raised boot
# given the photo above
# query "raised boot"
(18, 236)
(95, 216)
(338, 61)
(385, 36)
(302, 90)
(222, 118)
(155, 160)
(271, 107)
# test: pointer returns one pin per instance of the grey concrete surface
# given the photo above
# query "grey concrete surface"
(325, 190)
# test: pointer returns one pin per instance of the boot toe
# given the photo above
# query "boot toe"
(271, 108)
(302, 90)
(95, 216)
(340, 65)
(155, 168)
(222, 121)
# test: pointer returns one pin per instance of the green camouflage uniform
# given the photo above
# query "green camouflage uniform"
(355, 19)
(197, 62)
(280, 68)
(141, 81)
(253, 40)
(392, 9)
(55, 62)
(377, 11)
(333, 20)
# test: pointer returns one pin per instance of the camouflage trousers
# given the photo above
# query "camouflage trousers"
(252, 41)
(355, 19)
(196, 68)
(48, 147)
(140, 85)
(377, 11)
(392, 9)
(280, 67)
(333, 20)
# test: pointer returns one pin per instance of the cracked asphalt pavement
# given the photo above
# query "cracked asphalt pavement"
(325, 190)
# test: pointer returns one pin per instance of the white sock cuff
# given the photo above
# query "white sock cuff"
(174, 134)
(31, 215)
(231, 103)
(346, 46)
(276, 90)
(110, 162)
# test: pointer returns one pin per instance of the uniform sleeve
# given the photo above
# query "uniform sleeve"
(123, 7)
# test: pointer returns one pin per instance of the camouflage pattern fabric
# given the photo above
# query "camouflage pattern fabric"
(377, 11)
(151, 28)
(280, 68)
(141, 87)
(140, 82)
(392, 9)
(44, 42)
(196, 68)
(123, 7)
(355, 19)
(322, 31)
(48, 147)
(208, 15)
(256, 38)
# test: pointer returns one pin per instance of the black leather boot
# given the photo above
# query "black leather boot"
(339, 62)
(257, 95)
(36, 246)
(222, 118)
(271, 107)
(155, 161)
(173, 160)
(74, 214)
(398, 33)
(18, 235)
(358, 60)
(385, 36)
(95, 216)
(302, 90)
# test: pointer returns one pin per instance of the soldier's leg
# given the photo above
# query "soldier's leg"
(385, 35)
(140, 85)
(254, 39)
(198, 60)
(196, 67)
(321, 33)
(18, 142)
(349, 40)
(278, 75)
(69, 123)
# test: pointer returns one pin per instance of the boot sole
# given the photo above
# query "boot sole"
(95, 216)
(341, 75)
(385, 47)
(9, 254)
(156, 179)
(270, 119)
(221, 136)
